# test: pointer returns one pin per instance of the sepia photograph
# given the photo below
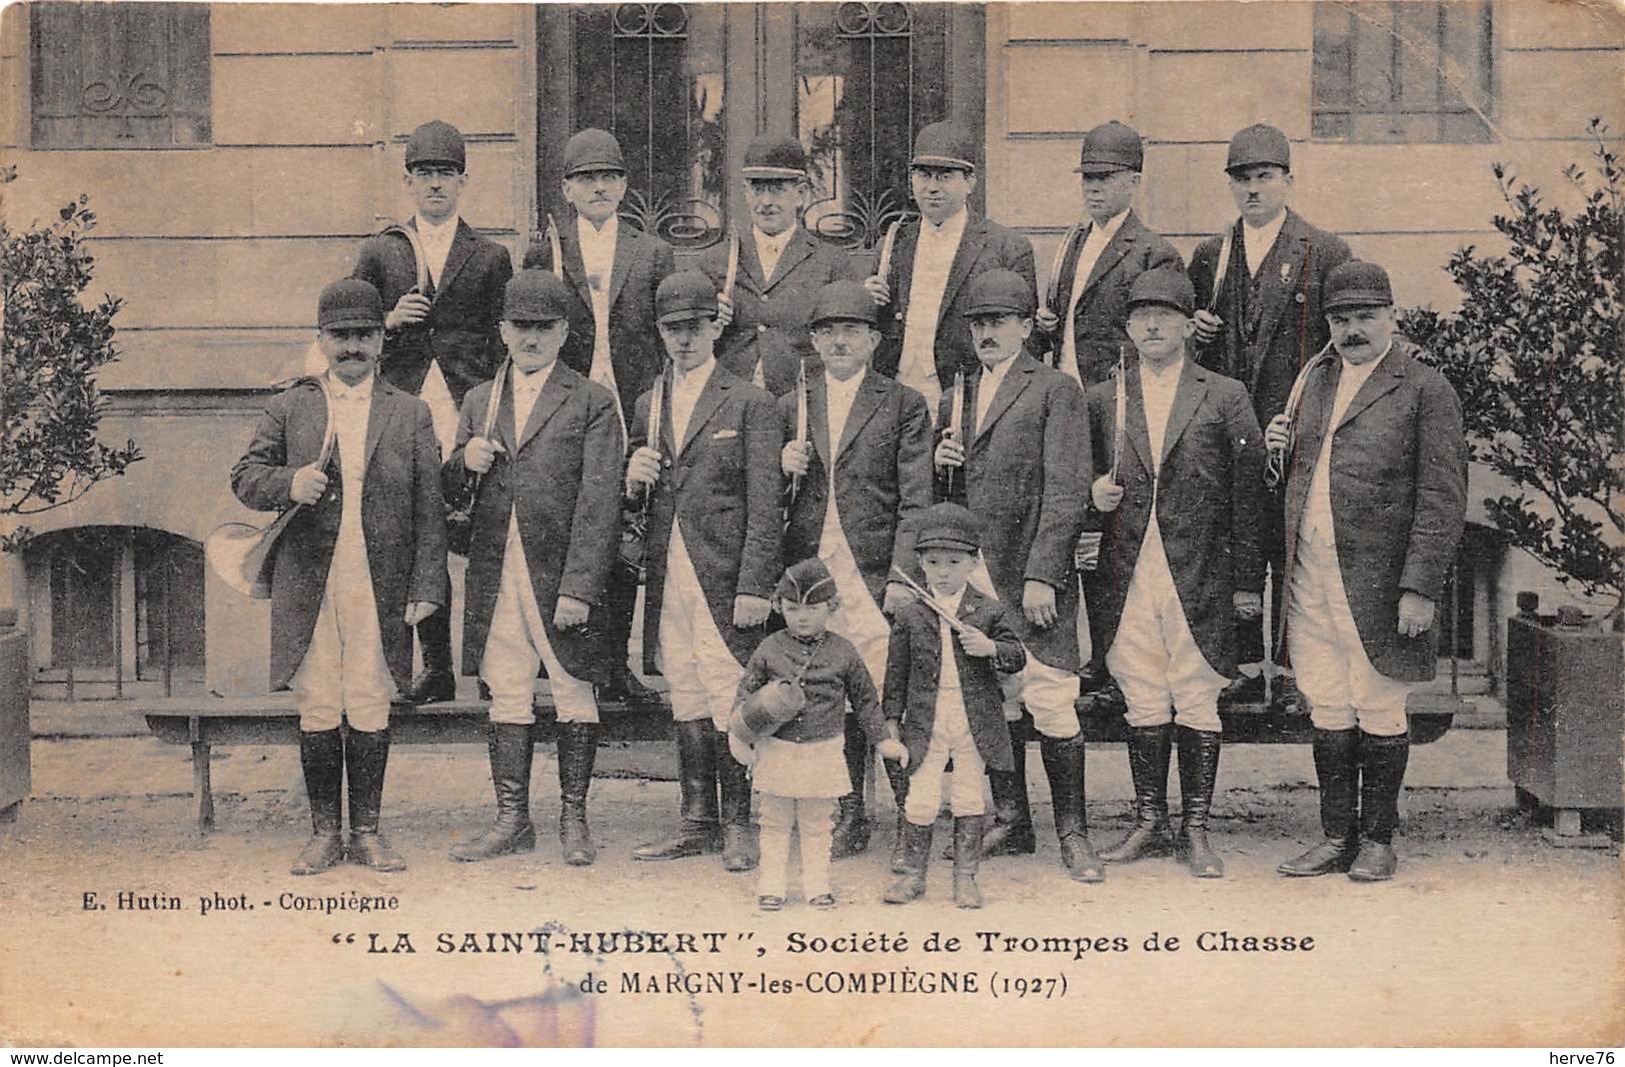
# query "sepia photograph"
(812, 524)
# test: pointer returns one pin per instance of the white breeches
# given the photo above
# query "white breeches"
(950, 739)
(702, 673)
(1333, 671)
(344, 673)
(1155, 658)
(859, 619)
(1049, 693)
(517, 642)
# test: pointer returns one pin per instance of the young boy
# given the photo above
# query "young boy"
(800, 767)
(942, 687)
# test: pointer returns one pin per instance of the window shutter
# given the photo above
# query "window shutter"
(1403, 72)
(120, 75)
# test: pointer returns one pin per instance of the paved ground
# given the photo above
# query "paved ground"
(1487, 937)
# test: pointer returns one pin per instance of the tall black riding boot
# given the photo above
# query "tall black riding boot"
(1337, 768)
(851, 834)
(1149, 753)
(613, 620)
(1382, 776)
(438, 679)
(738, 836)
(916, 858)
(899, 791)
(700, 830)
(1063, 766)
(365, 757)
(578, 750)
(1198, 775)
(1012, 830)
(321, 754)
(511, 747)
(967, 856)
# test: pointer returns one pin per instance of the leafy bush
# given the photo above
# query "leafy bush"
(50, 408)
(1535, 353)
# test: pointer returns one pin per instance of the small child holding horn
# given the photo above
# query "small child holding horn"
(943, 698)
(789, 721)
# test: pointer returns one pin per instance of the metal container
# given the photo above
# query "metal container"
(1565, 688)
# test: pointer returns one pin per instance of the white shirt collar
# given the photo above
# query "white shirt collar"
(951, 602)
(590, 234)
(1363, 370)
(952, 228)
(439, 232)
(362, 390)
(1170, 373)
(598, 248)
(1258, 240)
(847, 388)
(1266, 232)
(994, 375)
(776, 242)
(534, 381)
(695, 379)
(1108, 229)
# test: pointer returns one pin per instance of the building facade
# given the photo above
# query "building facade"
(235, 155)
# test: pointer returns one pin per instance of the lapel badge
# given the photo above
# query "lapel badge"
(1286, 272)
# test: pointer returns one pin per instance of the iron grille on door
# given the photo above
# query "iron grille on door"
(868, 76)
(684, 87)
(655, 75)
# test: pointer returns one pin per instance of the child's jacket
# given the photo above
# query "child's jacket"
(914, 667)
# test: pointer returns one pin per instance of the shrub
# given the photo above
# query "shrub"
(54, 345)
(1535, 354)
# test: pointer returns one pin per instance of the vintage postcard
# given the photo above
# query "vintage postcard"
(833, 524)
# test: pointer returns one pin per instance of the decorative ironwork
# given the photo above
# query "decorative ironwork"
(860, 20)
(112, 75)
(860, 224)
(650, 20)
(129, 93)
(655, 75)
(683, 222)
(858, 104)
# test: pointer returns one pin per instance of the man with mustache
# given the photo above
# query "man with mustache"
(778, 270)
(858, 453)
(1178, 477)
(1259, 319)
(926, 340)
(708, 475)
(546, 526)
(1376, 496)
(362, 561)
(613, 270)
(1015, 451)
(439, 343)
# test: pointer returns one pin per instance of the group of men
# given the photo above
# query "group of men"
(600, 417)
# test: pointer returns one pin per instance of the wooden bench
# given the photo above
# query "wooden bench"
(205, 722)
